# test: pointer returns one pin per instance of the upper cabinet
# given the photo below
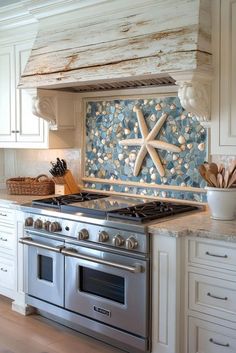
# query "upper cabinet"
(19, 127)
(224, 83)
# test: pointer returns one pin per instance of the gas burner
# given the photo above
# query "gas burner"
(150, 211)
(58, 201)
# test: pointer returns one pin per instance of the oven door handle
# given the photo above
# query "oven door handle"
(137, 268)
(29, 241)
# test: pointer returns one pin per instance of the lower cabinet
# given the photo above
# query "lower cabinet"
(8, 251)
(207, 337)
(210, 302)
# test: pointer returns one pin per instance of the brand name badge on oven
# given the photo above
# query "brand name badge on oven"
(102, 311)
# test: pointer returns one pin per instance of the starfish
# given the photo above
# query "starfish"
(148, 144)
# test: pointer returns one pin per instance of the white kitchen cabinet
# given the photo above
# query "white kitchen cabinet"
(8, 251)
(19, 127)
(210, 302)
(223, 139)
(167, 316)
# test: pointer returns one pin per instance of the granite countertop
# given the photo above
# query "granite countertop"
(7, 199)
(198, 224)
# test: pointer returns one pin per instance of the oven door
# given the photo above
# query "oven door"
(107, 287)
(45, 268)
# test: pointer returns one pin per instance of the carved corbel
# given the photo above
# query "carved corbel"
(45, 108)
(195, 95)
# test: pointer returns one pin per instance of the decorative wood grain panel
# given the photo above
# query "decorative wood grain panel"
(151, 38)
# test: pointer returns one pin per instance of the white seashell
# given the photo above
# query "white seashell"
(180, 160)
(127, 131)
(112, 177)
(105, 158)
(182, 184)
(96, 133)
(135, 130)
(186, 165)
(91, 162)
(182, 116)
(173, 106)
(189, 145)
(126, 160)
(181, 139)
(126, 189)
(100, 160)
(151, 102)
(151, 170)
(120, 156)
(145, 101)
(92, 175)
(158, 106)
(182, 147)
(153, 117)
(174, 128)
(153, 176)
(93, 186)
(125, 147)
(175, 157)
(164, 180)
(141, 180)
(163, 193)
(136, 124)
(187, 129)
(132, 156)
(99, 154)
(97, 113)
(172, 170)
(111, 188)
(201, 146)
(103, 141)
(94, 150)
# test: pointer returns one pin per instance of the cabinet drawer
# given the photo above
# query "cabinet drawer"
(212, 253)
(7, 215)
(206, 337)
(212, 296)
(7, 239)
(7, 273)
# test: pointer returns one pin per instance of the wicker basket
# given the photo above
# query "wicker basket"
(41, 185)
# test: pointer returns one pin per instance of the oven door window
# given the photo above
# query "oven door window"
(45, 268)
(102, 284)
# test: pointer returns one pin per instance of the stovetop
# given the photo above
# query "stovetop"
(134, 210)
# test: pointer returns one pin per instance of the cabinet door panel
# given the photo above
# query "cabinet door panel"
(7, 101)
(30, 127)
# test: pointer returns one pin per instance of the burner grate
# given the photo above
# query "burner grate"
(150, 211)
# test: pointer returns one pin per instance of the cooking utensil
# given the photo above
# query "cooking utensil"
(220, 180)
(213, 168)
(232, 179)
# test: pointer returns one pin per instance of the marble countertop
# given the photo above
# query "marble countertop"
(198, 224)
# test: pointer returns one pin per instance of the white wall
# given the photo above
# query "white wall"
(19, 162)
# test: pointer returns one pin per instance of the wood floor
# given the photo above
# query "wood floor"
(35, 334)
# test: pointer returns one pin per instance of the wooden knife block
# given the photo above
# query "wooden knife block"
(65, 184)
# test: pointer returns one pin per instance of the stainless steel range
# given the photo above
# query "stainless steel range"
(88, 264)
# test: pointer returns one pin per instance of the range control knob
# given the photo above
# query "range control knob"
(103, 236)
(46, 225)
(131, 243)
(83, 234)
(118, 240)
(29, 222)
(54, 227)
(38, 224)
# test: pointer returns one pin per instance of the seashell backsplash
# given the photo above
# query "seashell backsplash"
(112, 120)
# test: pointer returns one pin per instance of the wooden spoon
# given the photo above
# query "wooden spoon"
(213, 168)
(212, 178)
(226, 179)
(232, 179)
(220, 180)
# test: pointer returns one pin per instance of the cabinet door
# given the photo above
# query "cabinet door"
(224, 83)
(7, 95)
(30, 129)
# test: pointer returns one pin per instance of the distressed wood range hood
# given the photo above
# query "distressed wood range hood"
(96, 45)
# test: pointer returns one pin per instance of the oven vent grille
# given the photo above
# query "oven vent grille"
(104, 86)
